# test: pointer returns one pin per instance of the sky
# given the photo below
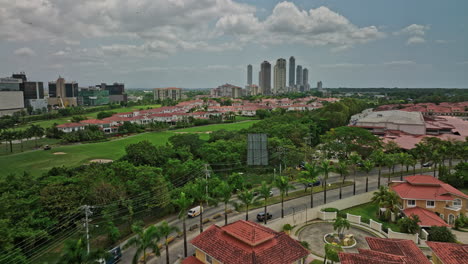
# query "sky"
(206, 43)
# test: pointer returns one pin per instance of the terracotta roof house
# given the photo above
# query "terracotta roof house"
(448, 253)
(386, 251)
(430, 199)
(245, 242)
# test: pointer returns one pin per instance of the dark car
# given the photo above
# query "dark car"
(427, 164)
(114, 256)
(261, 216)
(316, 183)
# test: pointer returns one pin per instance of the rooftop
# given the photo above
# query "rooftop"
(450, 253)
(425, 187)
(427, 217)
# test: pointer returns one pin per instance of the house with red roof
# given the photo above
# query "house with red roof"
(435, 203)
(448, 253)
(247, 243)
(70, 127)
(386, 251)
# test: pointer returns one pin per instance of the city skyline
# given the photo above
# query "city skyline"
(159, 43)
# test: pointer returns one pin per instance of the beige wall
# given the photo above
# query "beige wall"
(10, 102)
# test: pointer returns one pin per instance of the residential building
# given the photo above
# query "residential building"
(71, 127)
(292, 72)
(245, 242)
(448, 253)
(298, 78)
(280, 77)
(93, 96)
(386, 251)
(116, 92)
(169, 93)
(11, 102)
(305, 80)
(430, 199)
(227, 90)
(319, 85)
(265, 78)
(252, 90)
(249, 74)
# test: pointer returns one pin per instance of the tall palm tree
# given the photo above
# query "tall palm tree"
(436, 159)
(309, 176)
(143, 240)
(367, 166)
(340, 225)
(354, 159)
(183, 203)
(197, 191)
(386, 199)
(325, 169)
(75, 252)
(164, 230)
(378, 157)
(341, 168)
(223, 193)
(247, 198)
(390, 161)
(264, 193)
(283, 186)
(402, 158)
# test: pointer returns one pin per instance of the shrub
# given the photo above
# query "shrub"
(287, 227)
(305, 244)
(341, 214)
(330, 210)
(365, 220)
(385, 227)
(441, 234)
(409, 224)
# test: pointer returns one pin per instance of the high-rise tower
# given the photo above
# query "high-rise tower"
(249, 74)
(305, 79)
(265, 77)
(298, 76)
(292, 71)
(280, 76)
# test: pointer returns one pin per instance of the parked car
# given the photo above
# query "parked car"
(47, 147)
(261, 216)
(115, 255)
(313, 184)
(427, 164)
(195, 211)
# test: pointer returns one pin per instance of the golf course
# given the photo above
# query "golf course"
(37, 162)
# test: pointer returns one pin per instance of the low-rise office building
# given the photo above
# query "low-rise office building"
(11, 102)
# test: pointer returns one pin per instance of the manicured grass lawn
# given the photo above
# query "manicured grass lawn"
(39, 161)
(369, 210)
(316, 261)
(63, 120)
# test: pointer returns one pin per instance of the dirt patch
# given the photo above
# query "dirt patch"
(205, 132)
(59, 153)
(101, 160)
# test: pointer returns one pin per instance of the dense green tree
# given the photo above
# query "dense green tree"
(145, 153)
(441, 234)
(75, 252)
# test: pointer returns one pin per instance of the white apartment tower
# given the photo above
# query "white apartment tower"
(280, 76)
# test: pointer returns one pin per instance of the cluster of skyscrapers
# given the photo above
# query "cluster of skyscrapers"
(298, 78)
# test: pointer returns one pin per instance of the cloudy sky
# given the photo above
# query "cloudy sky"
(205, 43)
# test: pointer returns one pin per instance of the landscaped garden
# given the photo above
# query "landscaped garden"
(370, 211)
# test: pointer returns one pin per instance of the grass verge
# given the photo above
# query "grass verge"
(370, 210)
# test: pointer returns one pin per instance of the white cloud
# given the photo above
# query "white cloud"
(415, 40)
(25, 52)
(400, 62)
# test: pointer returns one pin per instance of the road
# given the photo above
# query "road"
(290, 207)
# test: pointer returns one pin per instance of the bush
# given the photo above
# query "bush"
(461, 221)
(102, 115)
(365, 220)
(385, 227)
(342, 214)
(441, 234)
(305, 244)
(330, 210)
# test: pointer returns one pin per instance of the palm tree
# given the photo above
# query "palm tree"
(75, 252)
(354, 159)
(247, 198)
(164, 230)
(183, 203)
(378, 157)
(37, 132)
(283, 186)
(402, 158)
(340, 225)
(386, 199)
(264, 193)
(223, 193)
(198, 191)
(143, 240)
(390, 160)
(325, 169)
(367, 166)
(309, 176)
(436, 158)
(342, 168)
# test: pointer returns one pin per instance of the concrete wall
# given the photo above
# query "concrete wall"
(303, 216)
(10, 102)
(354, 218)
(392, 234)
(376, 225)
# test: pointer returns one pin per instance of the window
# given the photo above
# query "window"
(457, 203)
(451, 219)
(430, 204)
(208, 259)
(411, 203)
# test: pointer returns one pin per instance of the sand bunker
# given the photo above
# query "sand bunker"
(101, 160)
(205, 132)
(59, 153)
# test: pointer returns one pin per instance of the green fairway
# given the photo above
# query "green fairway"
(63, 120)
(39, 161)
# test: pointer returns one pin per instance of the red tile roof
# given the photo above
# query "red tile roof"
(382, 255)
(425, 187)
(191, 260)
(70, 125)
(94, 122)
(353, 258)
(450, 253)
(247, 242)
(427, 217)
(399, 247)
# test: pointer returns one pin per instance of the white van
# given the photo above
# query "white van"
(195, 211)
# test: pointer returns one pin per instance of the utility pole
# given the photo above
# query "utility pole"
(87, 211)
(207, 175)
